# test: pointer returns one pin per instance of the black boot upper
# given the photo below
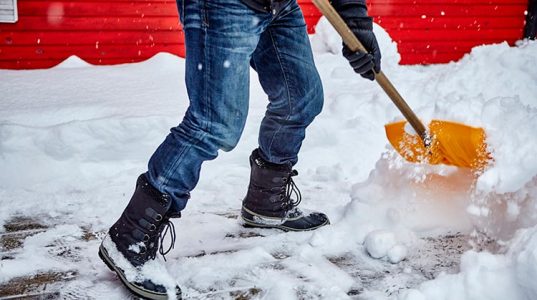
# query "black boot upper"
(138, 235)
(271, 187)
(139, 231)
(273, 197)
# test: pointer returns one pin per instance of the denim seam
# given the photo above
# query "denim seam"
(204, 14)
(287, 85)
(205, 125)
(206, 70)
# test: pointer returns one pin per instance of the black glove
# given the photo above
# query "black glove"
(355, 15)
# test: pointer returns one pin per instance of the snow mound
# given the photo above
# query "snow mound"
(327, 40)
(524, 253)
(487, 276)
(73, 62)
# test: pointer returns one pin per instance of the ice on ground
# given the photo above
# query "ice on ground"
(74, 138)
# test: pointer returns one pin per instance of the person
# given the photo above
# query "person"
(223, 39)
(530, 30)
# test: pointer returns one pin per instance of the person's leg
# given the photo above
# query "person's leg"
(220, 38)
(284, 62)
(530, 30)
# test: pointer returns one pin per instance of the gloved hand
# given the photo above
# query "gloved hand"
(355, 15)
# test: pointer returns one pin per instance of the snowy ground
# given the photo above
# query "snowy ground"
(74, 138)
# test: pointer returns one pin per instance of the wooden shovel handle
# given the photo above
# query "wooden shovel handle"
(354, 44)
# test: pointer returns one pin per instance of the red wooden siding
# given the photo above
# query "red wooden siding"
(438, 31)
(120, 31)
(100, 32)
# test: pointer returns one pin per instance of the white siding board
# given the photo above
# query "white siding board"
(8, 11)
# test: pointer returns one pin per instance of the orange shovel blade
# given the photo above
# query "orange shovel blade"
(451, 144)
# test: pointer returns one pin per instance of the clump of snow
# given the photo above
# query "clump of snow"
(379, 242)
(383, 244)
(136, 248)
(153, 270)
(397, 253)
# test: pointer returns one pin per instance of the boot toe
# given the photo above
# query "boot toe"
(148, 285)
(320, 218)
(149, 289)
(309, 221)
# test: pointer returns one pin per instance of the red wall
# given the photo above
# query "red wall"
(109, 32)
(438, 31)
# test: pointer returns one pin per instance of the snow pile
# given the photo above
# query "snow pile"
(524, 254)
(487, 276)
(74, 138)
(493, 87)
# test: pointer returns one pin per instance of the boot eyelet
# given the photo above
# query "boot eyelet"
(152, 227)
(146, 237)
(158, 217)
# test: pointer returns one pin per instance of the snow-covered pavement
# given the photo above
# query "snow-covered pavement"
(74, 138)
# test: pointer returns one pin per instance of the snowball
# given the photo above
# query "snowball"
(397, 253)
(379, 242)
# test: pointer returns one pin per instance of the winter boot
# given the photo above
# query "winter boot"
(269, 201)
(131, 246)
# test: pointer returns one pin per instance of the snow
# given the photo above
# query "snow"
(383, 244)
(379, 242)
(74, 138)
(397, 253)
(154, 269)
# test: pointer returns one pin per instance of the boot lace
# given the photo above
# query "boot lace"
(291, 189)
(168, 228)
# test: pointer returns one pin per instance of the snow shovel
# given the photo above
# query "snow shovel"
(445, 142)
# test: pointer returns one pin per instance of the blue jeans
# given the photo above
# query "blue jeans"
(223, 39)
